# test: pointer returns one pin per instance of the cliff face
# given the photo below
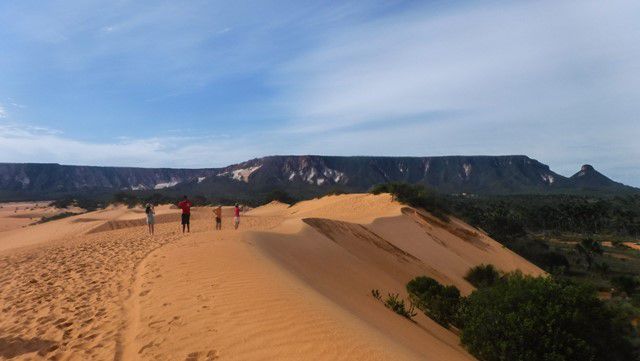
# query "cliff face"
(450, 173)
(308, 175)
(43, 179)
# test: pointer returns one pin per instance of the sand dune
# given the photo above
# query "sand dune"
(293, 283)
(21, 214)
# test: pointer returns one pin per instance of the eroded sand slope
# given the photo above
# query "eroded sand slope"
(293, 283)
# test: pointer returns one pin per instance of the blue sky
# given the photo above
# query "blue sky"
(206, 83)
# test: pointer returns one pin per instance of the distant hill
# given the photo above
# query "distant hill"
(50, 181)
(306, 176)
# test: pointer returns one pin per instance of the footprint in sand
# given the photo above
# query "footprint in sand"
(144, 293)
(196, 356)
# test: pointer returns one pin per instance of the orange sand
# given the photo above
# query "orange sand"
(292, 284)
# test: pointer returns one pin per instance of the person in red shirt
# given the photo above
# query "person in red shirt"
(236, 216)
(185, 205)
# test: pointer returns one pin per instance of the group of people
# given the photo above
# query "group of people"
(185, 205)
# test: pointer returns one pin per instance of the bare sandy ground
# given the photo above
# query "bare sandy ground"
(293, 283)
(21, 214)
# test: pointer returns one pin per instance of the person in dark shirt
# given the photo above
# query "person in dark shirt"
(185, 205)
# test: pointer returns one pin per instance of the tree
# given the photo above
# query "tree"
(483, 276)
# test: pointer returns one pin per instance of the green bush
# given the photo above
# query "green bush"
(626, 284)
(438, 302)
(84, 203)
(526, 318)
(280, 196)
(396, 304)
(55, 217)
(483, 276)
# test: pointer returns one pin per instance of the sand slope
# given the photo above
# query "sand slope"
(292, 284)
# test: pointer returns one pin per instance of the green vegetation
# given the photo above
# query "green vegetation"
(579, 240)
(482, 276)
(56, 217)
(439, 302)
(87, 204)
(589, 249)
(527, 318)
(521, 317)
(280, 196)
(396, 304)
(563, 234)
(627, 284)
(618, 216)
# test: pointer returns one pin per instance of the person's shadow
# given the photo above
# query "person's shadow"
(15, 346)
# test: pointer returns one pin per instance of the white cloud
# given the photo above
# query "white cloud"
(20, 143)
(3, 112)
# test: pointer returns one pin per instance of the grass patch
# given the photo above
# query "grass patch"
(396, 304)
(56, 217)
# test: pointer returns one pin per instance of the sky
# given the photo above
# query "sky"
(211, 83)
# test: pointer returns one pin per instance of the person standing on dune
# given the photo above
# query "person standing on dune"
(151, 217)
(236, 216)
(218, 212)
(185, 205)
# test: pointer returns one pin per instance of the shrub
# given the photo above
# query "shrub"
(483, 276)
(396, 304)
(626, 284)
(84, 203)
(127, 198)
(55, 217)
(438, 302)
(527, 318)
(376, 294)
(280, 196)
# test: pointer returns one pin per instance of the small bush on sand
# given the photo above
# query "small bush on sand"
(56, 217)
(484, 275)
(395, 303)
(376, 294)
